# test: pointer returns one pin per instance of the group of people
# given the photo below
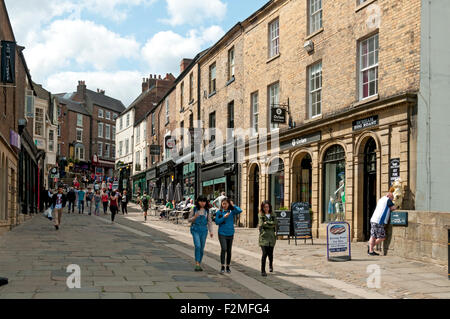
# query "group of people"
(78, 197)
(202, 224)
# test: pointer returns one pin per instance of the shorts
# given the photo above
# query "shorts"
(377, 231)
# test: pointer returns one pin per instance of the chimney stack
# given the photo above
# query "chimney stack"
(184, 64)
(81, 89)
(145, 84)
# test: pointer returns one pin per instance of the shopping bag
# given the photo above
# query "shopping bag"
(47, 211)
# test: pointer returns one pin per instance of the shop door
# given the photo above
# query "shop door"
(370, 185)
(255, 197)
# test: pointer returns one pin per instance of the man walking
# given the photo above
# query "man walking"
(71, 196)
(81, 194)
(380, 218)
(124, 200)
(59, 202)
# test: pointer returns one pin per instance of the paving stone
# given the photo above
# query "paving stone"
(16, 295)
(128, 288)
(155, 295)
(189, 296)
(194, 279)
(204, 289)
(160, 288)
(114, 295)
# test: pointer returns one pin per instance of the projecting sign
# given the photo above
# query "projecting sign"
(365, 123)
(170, 142)
(394, 170)
(155, 150)
(8, 63)
(278, 115)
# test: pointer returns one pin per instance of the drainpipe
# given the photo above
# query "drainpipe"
(198, 165)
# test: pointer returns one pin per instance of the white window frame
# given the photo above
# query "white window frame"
(100, 149)
(29, 98)
(212, 78)
(77, 153)
(255, 112)
(121, 123)
(107, 150)
(108, 115)
(231, 63)
(51, 140)
(138, 135)
(369, 67)
(37, 121)
(120, 148)
(274, 38)
(59, 130)
(128, 120)
(167, 111)
(107, 131)
(113, 132)
(153, 125)
(314, 73)
(315, 15)
(100, 131)
(127, 146)
(79, 120)
(113, 151)
(79, 130)
(274, 100)
(100, 113)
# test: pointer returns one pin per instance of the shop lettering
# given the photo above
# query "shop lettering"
(365, 123)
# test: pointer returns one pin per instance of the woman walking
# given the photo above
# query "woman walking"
(201, 224)
(113, 205)
(124, 199)
(97, 200)
(105, 201)
(267, 238)
(225, 221)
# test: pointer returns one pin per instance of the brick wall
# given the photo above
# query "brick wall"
(111, 141)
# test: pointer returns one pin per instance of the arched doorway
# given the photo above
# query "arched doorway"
(370, 184)
(334, 184)
(254, 196)
(276, 183)
(302, 179)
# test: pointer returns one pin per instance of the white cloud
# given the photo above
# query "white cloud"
(81, 44)
(164, 51)
(194, 12)
(122, 85)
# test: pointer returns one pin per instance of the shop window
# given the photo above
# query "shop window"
(303, 180)
(276, 183)
(334, 184)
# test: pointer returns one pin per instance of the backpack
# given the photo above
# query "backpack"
(145, 201)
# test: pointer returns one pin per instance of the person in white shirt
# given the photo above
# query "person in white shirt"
(217, 203)
(380, 218)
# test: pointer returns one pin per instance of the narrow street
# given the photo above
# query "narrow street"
(154, 260)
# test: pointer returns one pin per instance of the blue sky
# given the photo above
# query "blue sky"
(113, 44)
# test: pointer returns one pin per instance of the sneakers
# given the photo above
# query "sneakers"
(228, 270)
(198, 268)
(271, 269)
(374, 254)
(222, 270)
(264, 274)
(56, 227)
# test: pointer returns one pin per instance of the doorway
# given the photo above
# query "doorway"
(254, 195)
(370, 184)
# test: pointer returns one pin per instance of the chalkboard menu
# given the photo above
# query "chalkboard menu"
(284, 222)
(301, 220)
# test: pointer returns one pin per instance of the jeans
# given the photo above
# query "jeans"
(124, 208)
(105, 207)
(81, 207)
(226, 243)
(267, 252)
(199, 235)
(97, 208)
(113, 210)
(71, 206)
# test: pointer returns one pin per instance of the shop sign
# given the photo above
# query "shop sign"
(296, 142)
(220, 180)
(14, 139)
(208, 183)
(394, 170)
(170, 142)
(283, 222)
(301, 220)
(278, 115)
(338, 241)
(365, 123)
(155, 150)
(399, 218)
(151, 174)
(8, 68)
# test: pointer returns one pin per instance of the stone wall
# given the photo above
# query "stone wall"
(425, 238)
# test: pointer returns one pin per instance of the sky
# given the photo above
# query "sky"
(114, 44)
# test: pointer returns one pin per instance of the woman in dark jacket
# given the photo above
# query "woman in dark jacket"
(267, 238)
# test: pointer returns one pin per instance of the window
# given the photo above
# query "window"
(100, 130)
(231, 117)
(315, 15)
(59, 149)
(138, 161)
(255, 112)
(127, 146)
(59, 130)
(212, 78)
(59, 111)
(100, 113)
(361, 1)
(128, 120)
(153, 125)
(191, 87)
(29, 104)
(138, 135)
(113, 151)
(120, 148)
(144, 125)
(79, 153)
(334, 184)
(100, 149)
(276, 183)
(107, 131)
(167, 111)
(108, 115)
(80, 120)
(274, 38)
(212, 126)
(121, 123)
(39, 122)
(182, 134)
(274, 100)
(107, 150)
(113, 133)
(182, 95)
(231, 64)
(79, 135)
(368, 64)
(315, 90)
(191, 120)
(51, 140)
(115, 116)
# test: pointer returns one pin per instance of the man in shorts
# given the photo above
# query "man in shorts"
(380, 218)
(59, 202)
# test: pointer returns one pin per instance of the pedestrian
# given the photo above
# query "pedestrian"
(217, 203)
(49, 198)
(124, 201)
(145, 200)
(71, 196)
(58, 202)
(105, 201)
(201, 224)
(225, 221)
(97, 200)
(89, 200)
(267, 239)
(113, 205)
(81, 196)
(380, 218)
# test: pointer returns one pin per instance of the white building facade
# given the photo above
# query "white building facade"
(125, 137)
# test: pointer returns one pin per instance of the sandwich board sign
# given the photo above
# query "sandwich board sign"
(338, 241)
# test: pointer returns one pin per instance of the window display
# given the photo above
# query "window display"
(334, 184)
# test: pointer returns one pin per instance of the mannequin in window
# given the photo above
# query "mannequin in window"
(340, 199)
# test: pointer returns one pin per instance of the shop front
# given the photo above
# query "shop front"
(151, 177)
(188, 185)
(139, 184)
(340, 165)
(166, 174)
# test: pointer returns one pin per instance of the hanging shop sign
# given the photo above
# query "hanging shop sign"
(300, 141)
(365, 123)
(394, 170)
(155, 150)
(14, 139)
(8, 63)
(278, 115)
(301, 221)
(170, 142)
(151, 174)
(338, 241)
(283, 223)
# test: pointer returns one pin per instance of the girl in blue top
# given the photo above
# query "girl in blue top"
(225, 221)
